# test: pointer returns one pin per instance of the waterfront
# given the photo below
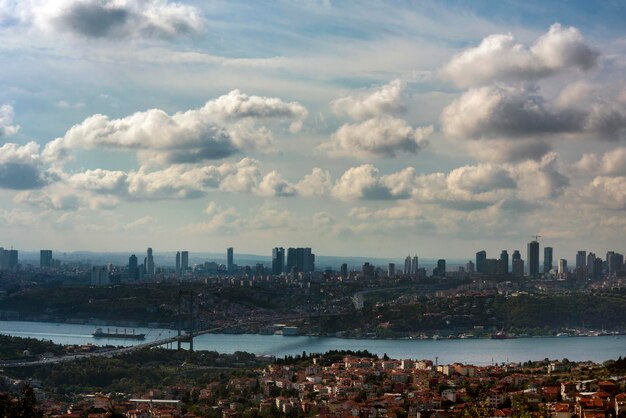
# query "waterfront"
(475, 351)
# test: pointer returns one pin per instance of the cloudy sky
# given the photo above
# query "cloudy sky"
(356, 128)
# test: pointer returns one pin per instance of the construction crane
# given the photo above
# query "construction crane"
(536, 237)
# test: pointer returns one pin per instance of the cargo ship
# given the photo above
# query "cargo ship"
(99, 333)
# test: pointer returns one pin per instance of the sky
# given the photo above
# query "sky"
(371, 128)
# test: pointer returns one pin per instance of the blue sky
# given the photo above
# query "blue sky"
(356, 128)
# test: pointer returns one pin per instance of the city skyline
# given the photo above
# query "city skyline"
(377, 129)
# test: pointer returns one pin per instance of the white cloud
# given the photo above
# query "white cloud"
(386, 100)
(116, 19)
(316, 184)
(512, 124)
(364, 182)
(608, 192)
(540, 179)
(500, 58)
(612, 163)
(20, 167)
(480, 179)
(498, 112)
(274, 185)
(220, 128)
(378, 137)
(6, 121)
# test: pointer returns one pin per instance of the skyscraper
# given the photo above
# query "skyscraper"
(133, 269)
(229, 259)
(516, 255)
(414, 266)
(562, 267)
(441, 268)
(45, 259)
(597, 268)
(407, 265)
(533, 259)
(591, 258)
(517, 266)
(547, 259)
(150, 263)
(391, 271)
(481, 262)
(278, 260)
(616, 262)
(504, 262)
(344, 271)
(581, 259)
(178, 263)
(184, 261)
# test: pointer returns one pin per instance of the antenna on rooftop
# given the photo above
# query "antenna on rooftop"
(536, 237)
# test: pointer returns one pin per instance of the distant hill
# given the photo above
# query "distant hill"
(168, 259)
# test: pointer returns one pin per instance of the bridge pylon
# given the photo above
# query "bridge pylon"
(185, 297)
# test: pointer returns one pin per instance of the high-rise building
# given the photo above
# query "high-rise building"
(300, 260)
(491, 266)
(414, 266)
(178, 263)
(548, 255)
(230, 265)
(391, 270)
(12, 259)
(470, 267)
(481, 262)
(133, 268)
(516, 255)
(343, 271)
(504, 262)
(291, 260)
(581, 259)
(407, 265)
(100, 276)
(45, 259)
(597, 269)
(440, 270)
(591, 258)
(616, 262)
(150, 270)
(533, 259)
(562, 267)
(278, 260)
(517, 266)
(184, 261)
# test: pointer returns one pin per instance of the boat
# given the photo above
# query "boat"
(562, 334)
(99, 333)
(501, 335)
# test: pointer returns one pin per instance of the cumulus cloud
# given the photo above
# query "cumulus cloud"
(6, 121)
(540, 179)
(500, 58)
(386, 100)
(119, 19)
(467, 188)
(481, 178)
(222, 127)
(499, 112)
(184, 181)
(608, 192)
(378, 132)
(612, 163)
(274, 185)
(513, 123)
(20, 167)
(316, 184)
(364, 182)
(377, 137)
